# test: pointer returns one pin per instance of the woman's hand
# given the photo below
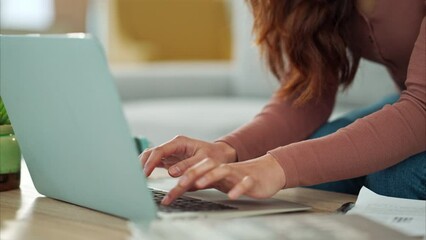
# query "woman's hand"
(181, 153)
(258, 178)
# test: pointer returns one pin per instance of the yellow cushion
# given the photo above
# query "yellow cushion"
(162, 30)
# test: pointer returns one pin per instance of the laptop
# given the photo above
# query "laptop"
(67, 116)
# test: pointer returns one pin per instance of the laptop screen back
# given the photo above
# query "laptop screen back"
(67, 117)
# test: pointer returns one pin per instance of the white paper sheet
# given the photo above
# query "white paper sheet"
(404, 215)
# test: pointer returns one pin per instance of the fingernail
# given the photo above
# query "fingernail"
(183, 181)
(174, 170)
(202, 182)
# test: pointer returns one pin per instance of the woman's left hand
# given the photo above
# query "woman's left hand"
(258, 178)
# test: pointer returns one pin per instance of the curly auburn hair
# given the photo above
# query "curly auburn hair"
(305, 44)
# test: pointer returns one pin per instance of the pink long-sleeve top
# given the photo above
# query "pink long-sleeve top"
(393, 35)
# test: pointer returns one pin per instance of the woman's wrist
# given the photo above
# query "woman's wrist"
(229, 152)
(266, 172)
(278, 171)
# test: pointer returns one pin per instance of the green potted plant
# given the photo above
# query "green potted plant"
(10, 154)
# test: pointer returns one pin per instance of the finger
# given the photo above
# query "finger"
(144, 156)
(152, 161)
(213, 176)
(174, 193)
(242, 187)
(168, 162)
(177, 145)
(171, 160)
(187, 180)
(196, 171)
(180, 167)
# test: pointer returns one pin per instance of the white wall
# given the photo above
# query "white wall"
(250, 76)
(371, 84)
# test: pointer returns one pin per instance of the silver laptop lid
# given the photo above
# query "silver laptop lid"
(67, 117)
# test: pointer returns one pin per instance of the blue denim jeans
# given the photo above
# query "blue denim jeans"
(406, 179)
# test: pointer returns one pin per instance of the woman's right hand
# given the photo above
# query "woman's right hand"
(182, 152)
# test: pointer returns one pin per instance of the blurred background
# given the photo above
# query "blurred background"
(181, 66)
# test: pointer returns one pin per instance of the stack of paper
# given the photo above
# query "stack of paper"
(404, 215)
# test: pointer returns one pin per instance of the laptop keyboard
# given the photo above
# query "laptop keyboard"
(187, 204)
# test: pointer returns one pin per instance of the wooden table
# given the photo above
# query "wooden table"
(25, 214)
